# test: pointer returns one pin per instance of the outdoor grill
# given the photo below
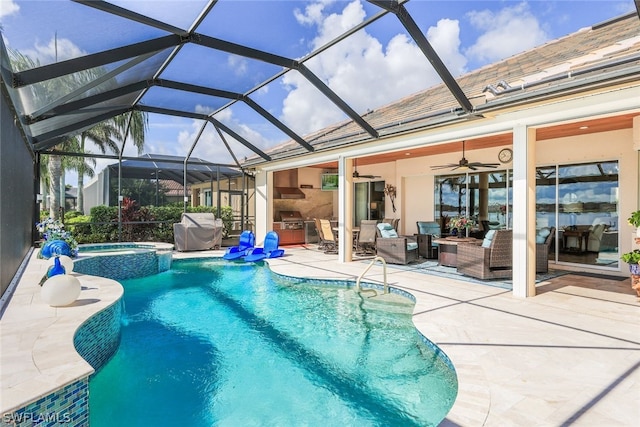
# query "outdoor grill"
(291, 220)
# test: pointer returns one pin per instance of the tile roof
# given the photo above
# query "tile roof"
(588, 52)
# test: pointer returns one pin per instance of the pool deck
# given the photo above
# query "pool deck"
(569, 356)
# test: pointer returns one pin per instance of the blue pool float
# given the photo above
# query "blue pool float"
(270, 249)
(247, 241)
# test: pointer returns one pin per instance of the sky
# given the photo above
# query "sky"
(373, 68)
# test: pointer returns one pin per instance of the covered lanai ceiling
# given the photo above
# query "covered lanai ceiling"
(228, 67)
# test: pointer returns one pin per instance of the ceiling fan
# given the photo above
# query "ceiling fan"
(464, 164)
(357, 175)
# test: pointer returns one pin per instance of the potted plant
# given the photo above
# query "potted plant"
(634, 221)
(58, 241)
(460, 224)
(633, 259)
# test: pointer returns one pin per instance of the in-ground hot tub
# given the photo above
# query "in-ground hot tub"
(123, 260)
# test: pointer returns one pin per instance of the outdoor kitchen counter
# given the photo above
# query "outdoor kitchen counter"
(293, 236)
(290, 227)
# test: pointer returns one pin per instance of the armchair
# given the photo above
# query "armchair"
(328, 241)
(491, 260)
(427, 232)
(544, 238)
(367, 237)
(395, 249)
(595, 237)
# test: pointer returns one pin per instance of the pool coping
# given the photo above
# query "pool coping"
(42, 358)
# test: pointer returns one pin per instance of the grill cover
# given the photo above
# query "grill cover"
(197, 231)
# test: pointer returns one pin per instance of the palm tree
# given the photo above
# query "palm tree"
(101, 135)
(138, 123)
(104, 134)
(46, 91)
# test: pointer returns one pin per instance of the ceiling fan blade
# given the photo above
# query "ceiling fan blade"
(484, 165)
(450, 165)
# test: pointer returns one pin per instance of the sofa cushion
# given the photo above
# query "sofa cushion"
(412, 245)
(386, 230)
(486, 243)
(542, 234)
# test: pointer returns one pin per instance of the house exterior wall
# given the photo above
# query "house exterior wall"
(96, 192)
(414, 176)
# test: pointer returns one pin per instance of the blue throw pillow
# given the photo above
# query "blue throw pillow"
(386, 230)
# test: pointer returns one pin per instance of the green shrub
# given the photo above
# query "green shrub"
(79, 225)
(68, 215)
(103, 221)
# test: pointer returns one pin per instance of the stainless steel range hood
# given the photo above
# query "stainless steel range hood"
(288, 193)
(285, 185)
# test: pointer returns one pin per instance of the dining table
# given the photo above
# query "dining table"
(355, 232)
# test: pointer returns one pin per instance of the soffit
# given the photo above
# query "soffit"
(583, 127)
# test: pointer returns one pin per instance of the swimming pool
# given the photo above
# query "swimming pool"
(211, 342)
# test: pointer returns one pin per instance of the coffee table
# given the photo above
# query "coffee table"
(448, 249)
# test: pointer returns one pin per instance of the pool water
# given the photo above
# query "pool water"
(216, 343)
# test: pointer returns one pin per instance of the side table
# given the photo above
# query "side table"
(448, 249)
(582, 237)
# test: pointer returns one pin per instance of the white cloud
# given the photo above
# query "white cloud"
(445, 39)
(8, 7)
(239, 64)
(511, 30)
(54, 50)
(362, 71)
(210, 147)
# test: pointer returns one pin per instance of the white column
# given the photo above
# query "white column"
(345, 209)
(264, 216)
(524, 212)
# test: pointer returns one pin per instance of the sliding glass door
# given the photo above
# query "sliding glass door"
(581, 202)
(483, 196)
(368, 201)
